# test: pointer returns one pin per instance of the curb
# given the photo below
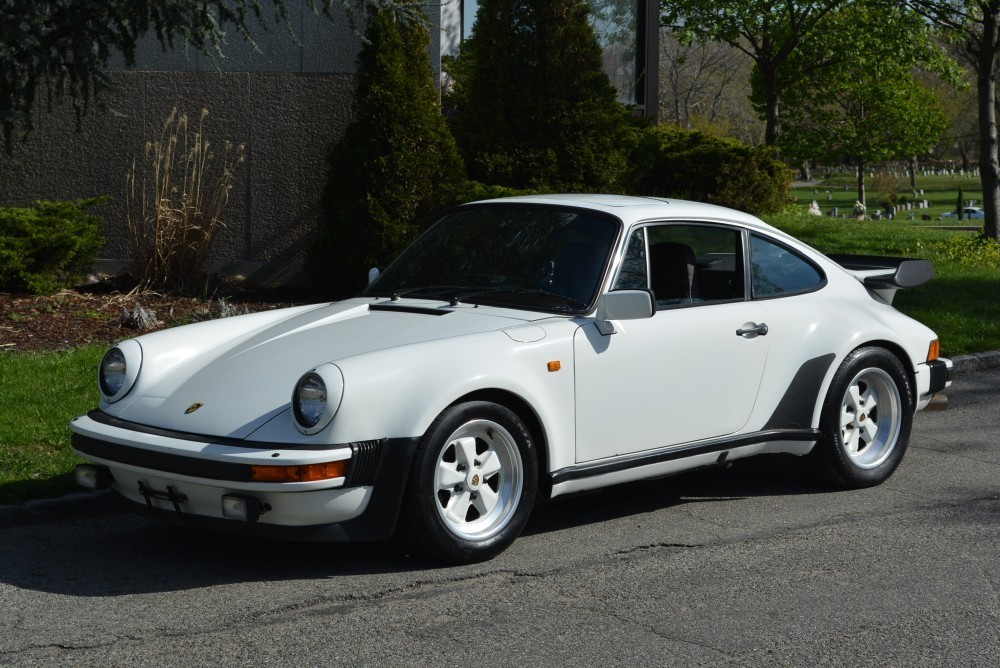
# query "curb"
(87, 504)
(976, 362)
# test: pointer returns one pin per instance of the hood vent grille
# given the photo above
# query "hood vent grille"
(402, 308)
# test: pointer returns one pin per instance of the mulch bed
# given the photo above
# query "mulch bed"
(102, 314)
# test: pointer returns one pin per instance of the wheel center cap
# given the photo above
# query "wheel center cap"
(474, 480)
(862, 417)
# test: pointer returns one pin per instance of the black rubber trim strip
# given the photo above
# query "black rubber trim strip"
(940, 375)
(795, 410)
(402, 308)
(99, 416)
(161, 461)
(681, 452)
(210, 469)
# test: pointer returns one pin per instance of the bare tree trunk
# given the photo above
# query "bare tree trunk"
(805, 171)
(913, 172)
(861, 182)
(989, 166)
(770, 84)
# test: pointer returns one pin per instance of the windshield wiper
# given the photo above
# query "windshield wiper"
(541, 292)
(396, 295)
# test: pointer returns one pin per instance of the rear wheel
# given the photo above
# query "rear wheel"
(866, 420)
(472, 486)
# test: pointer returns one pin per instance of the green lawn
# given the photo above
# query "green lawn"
(39, 394)
(840, 191)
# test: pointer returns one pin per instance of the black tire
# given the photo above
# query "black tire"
(866, 420)
(472, 486)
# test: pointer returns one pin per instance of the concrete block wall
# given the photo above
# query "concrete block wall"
(287, 102)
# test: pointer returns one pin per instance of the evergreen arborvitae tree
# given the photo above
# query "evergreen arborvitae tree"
(533, 106)
(396, 168)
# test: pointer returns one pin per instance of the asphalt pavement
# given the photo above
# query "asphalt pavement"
(754, 565)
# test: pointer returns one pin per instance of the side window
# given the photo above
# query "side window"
(685, 264)
(779, 271)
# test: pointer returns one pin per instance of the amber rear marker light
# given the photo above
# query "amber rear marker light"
(307, 473)
(935, 350)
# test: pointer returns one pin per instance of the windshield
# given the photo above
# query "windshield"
(532, 256)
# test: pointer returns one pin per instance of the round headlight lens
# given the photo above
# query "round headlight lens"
(310, 400)
(113, 372)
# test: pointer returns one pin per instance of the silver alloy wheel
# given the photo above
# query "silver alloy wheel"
(478, 479)
(870, 417)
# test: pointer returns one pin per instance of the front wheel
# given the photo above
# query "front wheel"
(472, 486)
(866, 420)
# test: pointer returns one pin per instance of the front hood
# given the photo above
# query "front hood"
(243, 370)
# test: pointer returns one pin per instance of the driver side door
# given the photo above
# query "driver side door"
(689, 373)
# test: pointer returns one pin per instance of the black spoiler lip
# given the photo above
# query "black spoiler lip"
(896, 272)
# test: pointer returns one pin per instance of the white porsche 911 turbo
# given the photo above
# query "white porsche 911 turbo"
(521, 349)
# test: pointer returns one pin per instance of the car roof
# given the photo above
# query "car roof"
(631, 209)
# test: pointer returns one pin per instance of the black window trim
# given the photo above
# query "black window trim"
(646, 224)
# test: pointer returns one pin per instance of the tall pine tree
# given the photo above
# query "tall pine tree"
(396, 168)
(533, 106)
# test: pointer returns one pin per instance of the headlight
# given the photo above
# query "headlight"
(119, 369)
(317, 397)
(310, 400)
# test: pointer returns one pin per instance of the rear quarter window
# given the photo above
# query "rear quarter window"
(778, 271)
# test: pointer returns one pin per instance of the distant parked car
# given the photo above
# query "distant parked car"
(968, 213)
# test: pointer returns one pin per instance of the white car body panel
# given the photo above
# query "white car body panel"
(673, 392)
(725, 370)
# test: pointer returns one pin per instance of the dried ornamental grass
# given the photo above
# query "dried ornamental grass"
(174, 204)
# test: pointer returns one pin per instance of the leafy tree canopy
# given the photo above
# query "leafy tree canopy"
(865, 105)
(62, 47)
(533, 105)
(396, 168)
(769, 31)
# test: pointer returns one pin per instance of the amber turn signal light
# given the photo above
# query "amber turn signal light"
(307, 473)
(935, 351)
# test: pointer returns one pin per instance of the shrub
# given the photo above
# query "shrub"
(48, 246)
(671, 161)
(396, 168)
(473, 191)
(533, 107)
(174, 204)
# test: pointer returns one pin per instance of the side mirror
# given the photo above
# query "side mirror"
(623, 305)
(373, 273)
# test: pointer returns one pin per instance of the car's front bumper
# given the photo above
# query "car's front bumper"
(184, 478)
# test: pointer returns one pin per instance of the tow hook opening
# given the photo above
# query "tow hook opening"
(92, 476)
(243, 507)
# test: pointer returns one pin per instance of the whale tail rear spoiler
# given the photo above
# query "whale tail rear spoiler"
(886, 275)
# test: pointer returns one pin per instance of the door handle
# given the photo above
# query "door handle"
(752, 328)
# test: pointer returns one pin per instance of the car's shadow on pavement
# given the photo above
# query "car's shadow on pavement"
(116, 553)
(776, 475)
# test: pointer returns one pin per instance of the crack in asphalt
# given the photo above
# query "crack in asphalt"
(334, 604)
(956, 455)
